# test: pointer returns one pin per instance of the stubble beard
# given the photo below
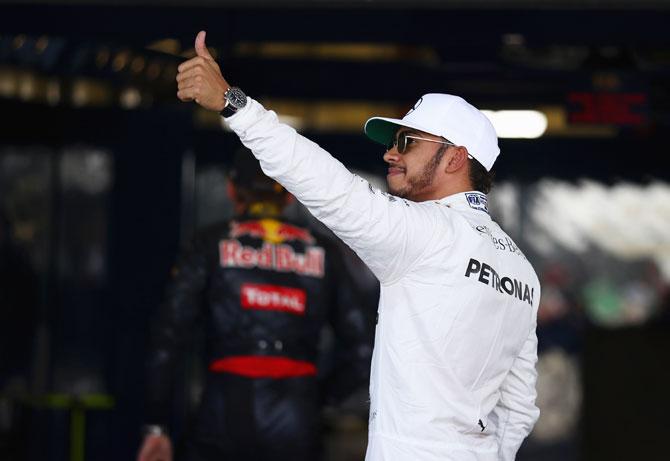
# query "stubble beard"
(418, 183)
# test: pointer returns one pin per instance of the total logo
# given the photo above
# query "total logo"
(273, 298)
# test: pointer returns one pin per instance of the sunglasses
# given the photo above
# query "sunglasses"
(404, 139)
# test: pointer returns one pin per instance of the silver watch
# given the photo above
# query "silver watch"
(235, 100)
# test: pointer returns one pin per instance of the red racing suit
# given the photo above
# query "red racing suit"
(263, 289)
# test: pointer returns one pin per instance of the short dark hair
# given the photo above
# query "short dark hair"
(481, 179)
(251, 184)
(247, 195)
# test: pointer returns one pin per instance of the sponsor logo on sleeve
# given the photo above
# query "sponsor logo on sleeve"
(487, 275)
(273, 298)
(500, 242)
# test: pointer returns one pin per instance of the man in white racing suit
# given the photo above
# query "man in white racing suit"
(453, 369)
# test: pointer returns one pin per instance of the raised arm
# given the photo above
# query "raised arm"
(388, 233)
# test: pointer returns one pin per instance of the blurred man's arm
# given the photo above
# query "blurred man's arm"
(172, 328)
(516, 412)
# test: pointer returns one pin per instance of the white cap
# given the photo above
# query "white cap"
(448, 116)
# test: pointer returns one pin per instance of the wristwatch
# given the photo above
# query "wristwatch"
(235, 100)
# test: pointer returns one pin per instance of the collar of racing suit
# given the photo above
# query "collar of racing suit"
(464, 201)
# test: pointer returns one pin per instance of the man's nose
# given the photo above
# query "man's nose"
(391, 155)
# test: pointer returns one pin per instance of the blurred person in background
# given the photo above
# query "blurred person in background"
(262, 288)
(560, 330)
(453, 370)
(18, 315)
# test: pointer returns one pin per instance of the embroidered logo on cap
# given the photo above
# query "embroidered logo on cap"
(416, 106)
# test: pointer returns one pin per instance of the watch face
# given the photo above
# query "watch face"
(236, 97)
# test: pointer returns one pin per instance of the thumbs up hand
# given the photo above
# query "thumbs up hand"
(199, 79)
(200, 47)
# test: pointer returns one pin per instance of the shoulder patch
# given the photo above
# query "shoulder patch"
(477, 201)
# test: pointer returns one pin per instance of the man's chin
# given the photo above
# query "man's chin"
(397, 191)
(393, 186)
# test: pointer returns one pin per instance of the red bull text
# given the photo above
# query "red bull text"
(280, 258)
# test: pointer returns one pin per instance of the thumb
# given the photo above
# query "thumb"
(200, 47)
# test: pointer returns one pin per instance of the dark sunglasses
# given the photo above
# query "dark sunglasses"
(404, 139)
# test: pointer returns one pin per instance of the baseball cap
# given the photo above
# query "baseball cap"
(446, 115)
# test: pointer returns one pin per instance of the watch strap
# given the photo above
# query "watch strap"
(228, 110)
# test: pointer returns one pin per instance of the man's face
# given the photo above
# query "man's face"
(412, 174)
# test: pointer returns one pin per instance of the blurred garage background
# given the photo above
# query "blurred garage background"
(103, 174)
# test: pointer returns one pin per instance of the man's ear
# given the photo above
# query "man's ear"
(457, 160)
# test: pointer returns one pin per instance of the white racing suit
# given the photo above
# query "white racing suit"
(453, 369)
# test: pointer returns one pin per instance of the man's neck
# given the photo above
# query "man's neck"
(447, 189)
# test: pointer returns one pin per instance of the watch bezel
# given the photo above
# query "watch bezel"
(235, 97)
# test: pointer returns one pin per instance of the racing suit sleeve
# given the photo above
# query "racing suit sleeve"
(516, 412)
(388, 233)
(172, 330)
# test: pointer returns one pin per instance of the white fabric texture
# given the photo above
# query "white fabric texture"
(453, 370)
